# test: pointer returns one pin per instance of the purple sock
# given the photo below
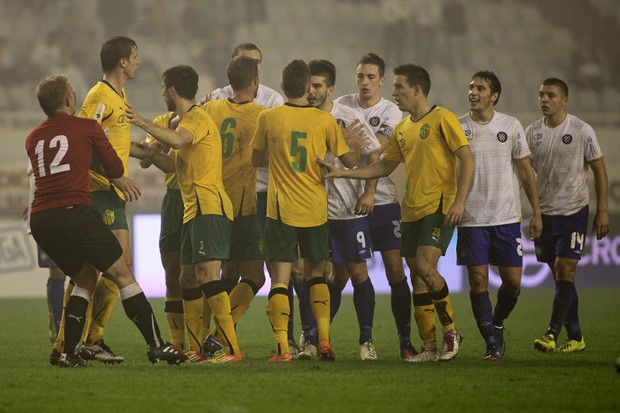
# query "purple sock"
(481, 306)
(364, 301)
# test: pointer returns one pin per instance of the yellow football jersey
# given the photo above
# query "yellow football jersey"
(427, 147)
(295, 136)
(199, 168)
(237, 124)
(170, 178)
(104, 104)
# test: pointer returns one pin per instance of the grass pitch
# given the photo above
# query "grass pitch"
(524, 380)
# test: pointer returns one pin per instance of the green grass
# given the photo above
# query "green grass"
(524, 381)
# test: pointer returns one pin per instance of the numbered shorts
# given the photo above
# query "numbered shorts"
(111, 208)
(247, 239)
(562, 236)
(171, 221)
(349, 240)
(73, 236)
(286, 243)
(429, 230)
(500, 245)
(206, 237)
(384, 224)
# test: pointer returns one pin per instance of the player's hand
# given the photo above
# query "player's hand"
(355, 136)
(455, 213)
(365, 204)
(536, 227)
(332, 171)
(128, 187)
(601, 224)
(133, 115)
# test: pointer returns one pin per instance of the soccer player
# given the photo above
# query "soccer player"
(65, 224)
(208, 213)
(292, 136)
(349, 230)
(236, 118)
(151, 152)
(105, 102)
(563, 148)
(490, 229)
(429, 141)
(384, 210)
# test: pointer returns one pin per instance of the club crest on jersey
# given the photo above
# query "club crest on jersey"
(538, 136)
(502, 136)
(108, 217)
(425, 130)
(468, 134)
(374, 121)
(341, 123)
(566, 139)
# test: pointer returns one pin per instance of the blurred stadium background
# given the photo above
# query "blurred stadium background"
(523, 41)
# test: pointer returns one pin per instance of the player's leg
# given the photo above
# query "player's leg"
(364, 302)
(55, 298)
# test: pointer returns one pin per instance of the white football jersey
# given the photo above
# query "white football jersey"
(343, 193)
(494, 196)
(560, 156)
(266, 97)
(382, 118)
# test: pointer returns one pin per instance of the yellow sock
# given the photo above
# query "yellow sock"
(424, 314)
(220, 306)
(240, 298)
(192, 312)
(278, 311)
(176, 323)
(103, 301)
(60, 338)
(319, 301)
(206, 318)
(443, 307)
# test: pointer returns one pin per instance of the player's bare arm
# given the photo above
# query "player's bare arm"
(463, 184)
(528, 181)
(128, 187)
(601, 219)
(366, 202)
(377, 170)
(174, 138)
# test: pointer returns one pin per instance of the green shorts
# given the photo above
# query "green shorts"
(206, 237)
(247, 240)
(171, 221)
(429, 230)
(286, 243)
(111, 208)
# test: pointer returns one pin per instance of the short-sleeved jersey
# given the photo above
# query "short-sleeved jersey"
(170, 178)
(343, 193)
(294, 137)
(266, 97)
(560, 157)
(60, 151)
(107, 106)
(199, 168)
(382, 118)
(427, 147)
(237, 124)
(494, 196)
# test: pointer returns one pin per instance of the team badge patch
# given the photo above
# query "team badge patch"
(538, 136)
(425, 131)
(108, 217)
(502, 136)
(374, 121)
(341, 123)
(566, 139)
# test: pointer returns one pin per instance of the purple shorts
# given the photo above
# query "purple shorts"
(499, 245)
(385, 227)
(349, 240)
(562, 236)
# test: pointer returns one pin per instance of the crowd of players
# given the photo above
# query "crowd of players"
(302, 183)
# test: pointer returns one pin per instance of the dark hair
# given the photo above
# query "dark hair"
(246, 46)
(115, 49)
(52, 92)
(323, 68)
(554, 81)
(295, 79)
(373, 59)
(241, 71)
(492, 80)
(184, 79)
(416, 75)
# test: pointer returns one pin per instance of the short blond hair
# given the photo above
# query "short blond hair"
(52, 92)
